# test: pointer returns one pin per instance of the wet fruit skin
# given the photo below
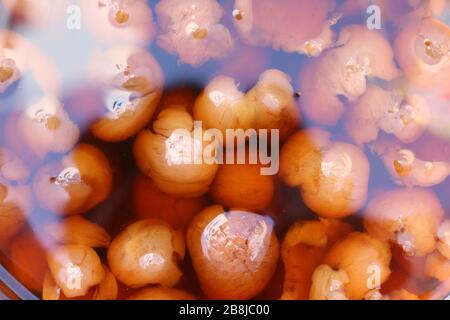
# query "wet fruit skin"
(359, 54)
(175, 161)
(107, 289)
(77, 183)
(132, 81)
(233, 253)
(422, 51)
(147, 252)
(75, 269)
(78, 230)
(242, 186)
(355, 254)
(332, 176)
(407, 217)
(303, 250)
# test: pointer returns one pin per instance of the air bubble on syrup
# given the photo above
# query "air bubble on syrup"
(241, 237)
(67, 177)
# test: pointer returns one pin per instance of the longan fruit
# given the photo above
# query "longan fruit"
(173, 157)
(78, 230)
(75, 184)
(303, 250)
(131, 81)
(242, 186)
(75, 269)
(332, 177)
(360, 255)
(408, 217)
(147, 252)
(234, 253)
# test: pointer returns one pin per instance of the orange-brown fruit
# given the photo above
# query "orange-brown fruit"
(75, 184)
(234, 253)
(149, 202)
(333, 177)
(147, 252)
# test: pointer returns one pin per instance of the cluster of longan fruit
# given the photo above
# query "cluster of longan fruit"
(367, 106)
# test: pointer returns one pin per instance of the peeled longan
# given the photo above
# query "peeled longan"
(151, 203)
(405, 115)
(332, 176)
(119, 21)
(147, 252)
(19, 58)
(234, 253)
(293, 26)
(272, 99)
(222, 106)
(158, 293)
(270, 104)
(173, 157)
(303, 250)
(360, 53)
(242, 186)
(423, 52)
(131, 81)
(106, 290)
(78, 230)
(407, 217)
(407, 169)
(75, 269)
(360, 255)
(192, 30)
(75, 184)
(46, 127)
